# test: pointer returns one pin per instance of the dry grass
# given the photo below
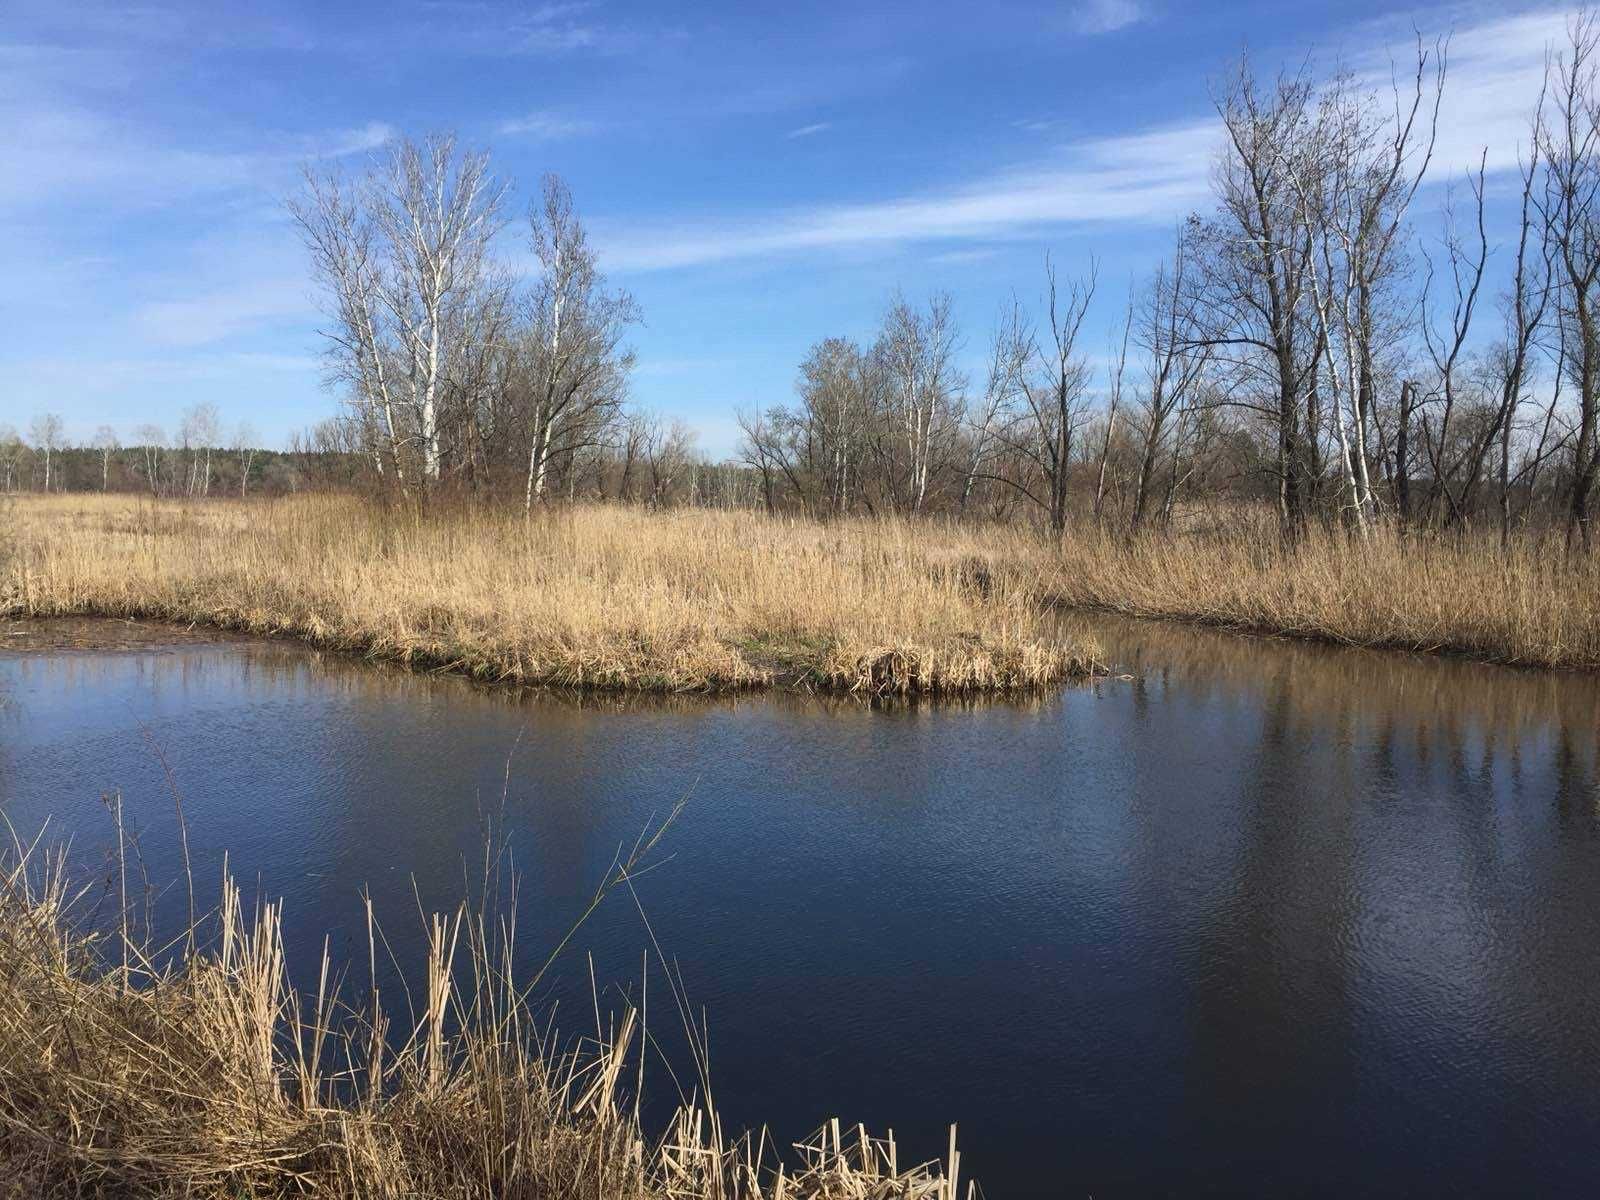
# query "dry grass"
(600, 597)
(1528, 606)
(211, 1077)
(617, 598)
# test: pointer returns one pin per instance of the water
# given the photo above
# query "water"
(1265, 919)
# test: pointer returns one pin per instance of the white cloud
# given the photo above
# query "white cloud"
(223, 313)
(1106, 16)
(808, 130)
(1152, 176)
(962, 258)
(1491, 86)
(1149, 177)
(546, 127)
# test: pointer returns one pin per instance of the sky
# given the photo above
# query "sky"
(758, 175)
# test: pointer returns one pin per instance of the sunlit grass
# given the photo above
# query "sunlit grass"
(1527, 605)
(203, 1073)
(591, 596)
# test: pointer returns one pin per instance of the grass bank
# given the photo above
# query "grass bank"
(210, 1077)
(589, 597)
(1527, 605)
(609, 597)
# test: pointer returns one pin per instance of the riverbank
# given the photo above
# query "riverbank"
(212, 1077)
(1527, 605)
(613, 598)
(588, 597)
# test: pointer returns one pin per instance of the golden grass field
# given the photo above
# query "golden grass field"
(210, 1077)
(605, 596)
(602, 596)
(1526, 606)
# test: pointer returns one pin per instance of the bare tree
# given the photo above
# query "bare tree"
(1353, 181)
(12, 450)
(668, 452)
(1113, 406)
(45, 430)
(152, 440)
(1523, 312)
(1052, 396)
(1011, 352)
(401, 253)
(1175, 358)
(1569, 141)
(923, 395)
(575, 356)
(197, 434)
(1256, 271)
(105, 441)
(244, 449)
(1467, 261)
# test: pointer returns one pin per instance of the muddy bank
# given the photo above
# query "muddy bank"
(105, 633)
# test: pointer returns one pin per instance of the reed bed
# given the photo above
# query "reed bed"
(1526, 605)
(607, 597)
(210, 1076)
(588, 596)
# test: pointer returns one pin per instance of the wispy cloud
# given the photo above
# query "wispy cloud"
(963, 258)
(544, 30)
(1106, 16)
(223, 313)
(806, 131)
(546, 127)
(1491, 85)
(1149, 177)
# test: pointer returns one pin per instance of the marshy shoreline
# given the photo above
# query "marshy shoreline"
(592, 598)
(603, 598)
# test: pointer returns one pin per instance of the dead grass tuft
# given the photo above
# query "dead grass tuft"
(211, 1077)
(588, 597)
(1529, 605)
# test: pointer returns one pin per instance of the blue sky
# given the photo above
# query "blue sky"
(759, 175)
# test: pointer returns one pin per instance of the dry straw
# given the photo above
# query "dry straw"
(201, 1072)
(594, 597)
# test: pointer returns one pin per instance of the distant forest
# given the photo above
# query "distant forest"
(1302, 346)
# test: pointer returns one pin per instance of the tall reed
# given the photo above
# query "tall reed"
(1528, 604)
(204, 1073)
(595, 596)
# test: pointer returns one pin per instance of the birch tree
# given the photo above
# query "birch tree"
(923, 394)
(45, 431)
(1353, 181)
(244, 450)
(198, 433)
(12, 450)
(577, 364)
(401, 252)
(105, 441)
(1569, 141)
(152, 439)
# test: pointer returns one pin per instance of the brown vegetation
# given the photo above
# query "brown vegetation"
(1526, 604)
(590, 596)
(212, 1077)
(598, 596)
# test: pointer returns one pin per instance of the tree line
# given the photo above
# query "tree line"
(199, 460)
(1303, 346)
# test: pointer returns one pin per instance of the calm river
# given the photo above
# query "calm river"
(1263, 919)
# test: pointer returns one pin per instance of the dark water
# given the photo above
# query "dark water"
(1267, 919)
